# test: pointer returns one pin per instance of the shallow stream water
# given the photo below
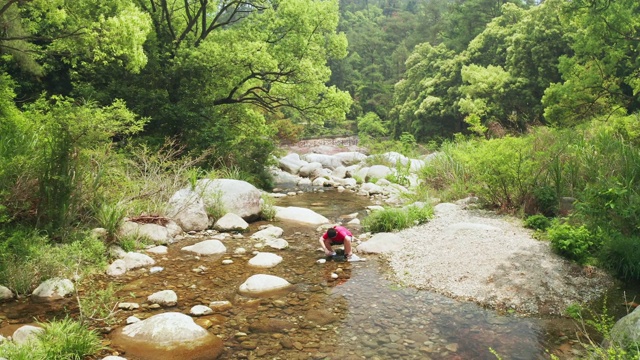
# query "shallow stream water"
(363, 314)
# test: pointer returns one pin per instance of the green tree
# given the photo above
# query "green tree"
(425, 101)
(601, 76)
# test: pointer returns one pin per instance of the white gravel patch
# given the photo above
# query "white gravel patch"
(492, 260)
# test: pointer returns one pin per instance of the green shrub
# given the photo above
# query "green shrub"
(110, 217)
(621, 254)
(419, 214)
(537, 222)
(575, 243)
(390, 219)
(61, 340)
(386, 220)
(267, 207)
(27, 259)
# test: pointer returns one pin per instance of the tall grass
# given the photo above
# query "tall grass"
(64, 339)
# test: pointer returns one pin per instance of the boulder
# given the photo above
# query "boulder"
(350, 157)
(5, 293)
(262, 284)
(381, 243)
(207, 247)
(187, 209)
(301, 215)
(231, 222)
(167, 336)
(235, 196)
(265, 260)
(55, 288)
(328, 161)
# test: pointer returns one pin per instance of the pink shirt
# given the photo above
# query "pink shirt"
(341, 231)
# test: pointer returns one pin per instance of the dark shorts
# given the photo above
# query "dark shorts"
(333, 242)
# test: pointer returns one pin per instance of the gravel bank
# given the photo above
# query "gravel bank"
(492, 260)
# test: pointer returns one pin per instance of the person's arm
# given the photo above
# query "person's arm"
(324, 246)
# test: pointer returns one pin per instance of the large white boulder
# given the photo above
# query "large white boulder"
(381, 243)
(291, 163)
(301, 215)
(207, 247)
(262, 283)
(265, 260)
(166, 336)
(350, 157)
(54, 288)
(187, 209)
(328, 161)
(231, 222)
(235, 196)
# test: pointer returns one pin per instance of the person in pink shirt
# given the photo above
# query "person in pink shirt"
(337, 235)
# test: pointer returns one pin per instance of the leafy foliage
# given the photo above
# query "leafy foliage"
(575, 243)
(390, 219)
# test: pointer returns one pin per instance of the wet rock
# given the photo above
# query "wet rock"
(160, 250)
(263, 283)
(269, 232)
(164, 298)
(207, 247)
(321, 317)
(117, 268)
(26, 333)
(167, 336)
(156, 269)
(55, 288)
(219, 306)
(134, 260)
(301, 215)
(277, 243)
(200, 310)
(266, 260)
(231, 222)
(270, 325)
(5, 293)
(128, 306)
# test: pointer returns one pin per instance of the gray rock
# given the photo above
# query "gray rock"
(231, 222)
(236, 196)
(207, 247)
(381, 243)
(162, 335)
(265, 260)
(54, 288)
(26, 333)
(301, 215)
(164, 298)
(187, 208)
(263, 283)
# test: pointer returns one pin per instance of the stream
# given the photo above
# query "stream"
(361, 314)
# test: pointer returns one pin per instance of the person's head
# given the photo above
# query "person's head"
(331, 233)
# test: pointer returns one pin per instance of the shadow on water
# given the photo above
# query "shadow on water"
(333, 311)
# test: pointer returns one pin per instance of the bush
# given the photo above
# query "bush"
(61, 340)
(390, 219)
(537, 222)
(27, 258)
(575, 243)
(621, 254)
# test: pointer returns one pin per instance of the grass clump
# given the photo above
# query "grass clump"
(64, 339)
(390, 219)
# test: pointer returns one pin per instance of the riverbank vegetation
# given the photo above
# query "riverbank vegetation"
(108, 107)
